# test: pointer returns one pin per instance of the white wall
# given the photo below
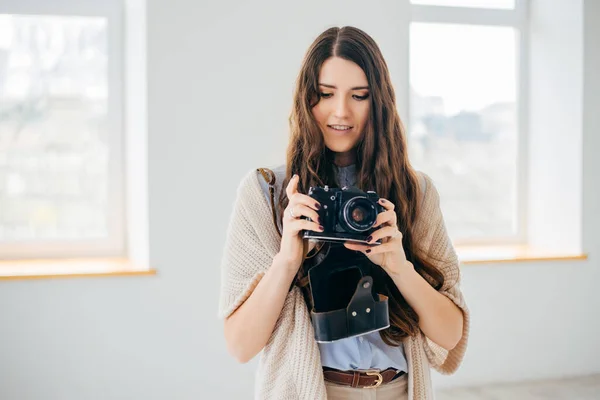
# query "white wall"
(220, 83)
(555, 125)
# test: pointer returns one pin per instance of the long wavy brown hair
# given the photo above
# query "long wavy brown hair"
(380, 153)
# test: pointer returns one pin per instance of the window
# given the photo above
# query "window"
(464, 115)
(61, 160)
(499, 4)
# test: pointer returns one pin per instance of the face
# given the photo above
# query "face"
(343, 108)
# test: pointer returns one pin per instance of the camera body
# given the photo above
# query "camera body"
(347, 214)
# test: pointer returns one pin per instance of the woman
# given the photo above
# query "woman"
(345, 130)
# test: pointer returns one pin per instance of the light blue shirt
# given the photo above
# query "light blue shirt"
(361, 352)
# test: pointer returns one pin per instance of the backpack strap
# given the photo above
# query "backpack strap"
(269, 177)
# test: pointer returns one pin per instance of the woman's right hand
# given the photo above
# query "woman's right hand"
(299, 206)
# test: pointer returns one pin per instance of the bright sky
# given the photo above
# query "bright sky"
(469, 66)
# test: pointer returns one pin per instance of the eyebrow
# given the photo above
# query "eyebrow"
(333, 87)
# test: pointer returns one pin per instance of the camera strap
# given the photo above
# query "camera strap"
(269, 177)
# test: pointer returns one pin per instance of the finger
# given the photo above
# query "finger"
(371, 250)
(388, 231)
(356, 246)
(303, 199)
(292, 187)
(304, 224)
(308, 212)
(300, 210)
(388, 217)
(384, 248)
(388, 205)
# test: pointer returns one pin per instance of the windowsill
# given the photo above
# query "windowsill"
(512, 254)
(70, 268)
(103, 267)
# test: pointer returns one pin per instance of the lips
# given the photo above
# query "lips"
(340, 128)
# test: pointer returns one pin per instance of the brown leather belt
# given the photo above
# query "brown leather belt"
(366, 379)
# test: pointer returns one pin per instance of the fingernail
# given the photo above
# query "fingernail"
(295, 176)
(368, 250)
(369, 238)
(317, 206)
(321, 227)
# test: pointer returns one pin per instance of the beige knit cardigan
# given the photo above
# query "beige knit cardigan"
(290, 364)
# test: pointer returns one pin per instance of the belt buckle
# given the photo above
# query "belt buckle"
(378, 382)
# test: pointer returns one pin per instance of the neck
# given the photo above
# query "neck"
(344, 159)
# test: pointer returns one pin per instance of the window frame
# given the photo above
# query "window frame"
(115, 244)
(516, 18)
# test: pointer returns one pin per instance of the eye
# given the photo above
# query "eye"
(361, 98)
(325, 95)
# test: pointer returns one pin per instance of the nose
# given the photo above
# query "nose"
(341, 109)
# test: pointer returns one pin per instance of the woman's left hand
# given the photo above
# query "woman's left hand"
(390, 253)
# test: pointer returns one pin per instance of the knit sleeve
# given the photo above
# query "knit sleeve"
(435, 245)
(245, 258)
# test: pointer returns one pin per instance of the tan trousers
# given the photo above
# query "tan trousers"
(395, 390)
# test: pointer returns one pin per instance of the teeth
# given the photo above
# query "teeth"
(341, 127)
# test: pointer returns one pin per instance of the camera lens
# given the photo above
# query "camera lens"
(358, 214)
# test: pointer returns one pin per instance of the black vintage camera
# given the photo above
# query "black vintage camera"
(347, 214)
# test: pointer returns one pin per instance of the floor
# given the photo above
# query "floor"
(584, 388)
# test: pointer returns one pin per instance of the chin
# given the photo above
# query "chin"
(337, 147)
